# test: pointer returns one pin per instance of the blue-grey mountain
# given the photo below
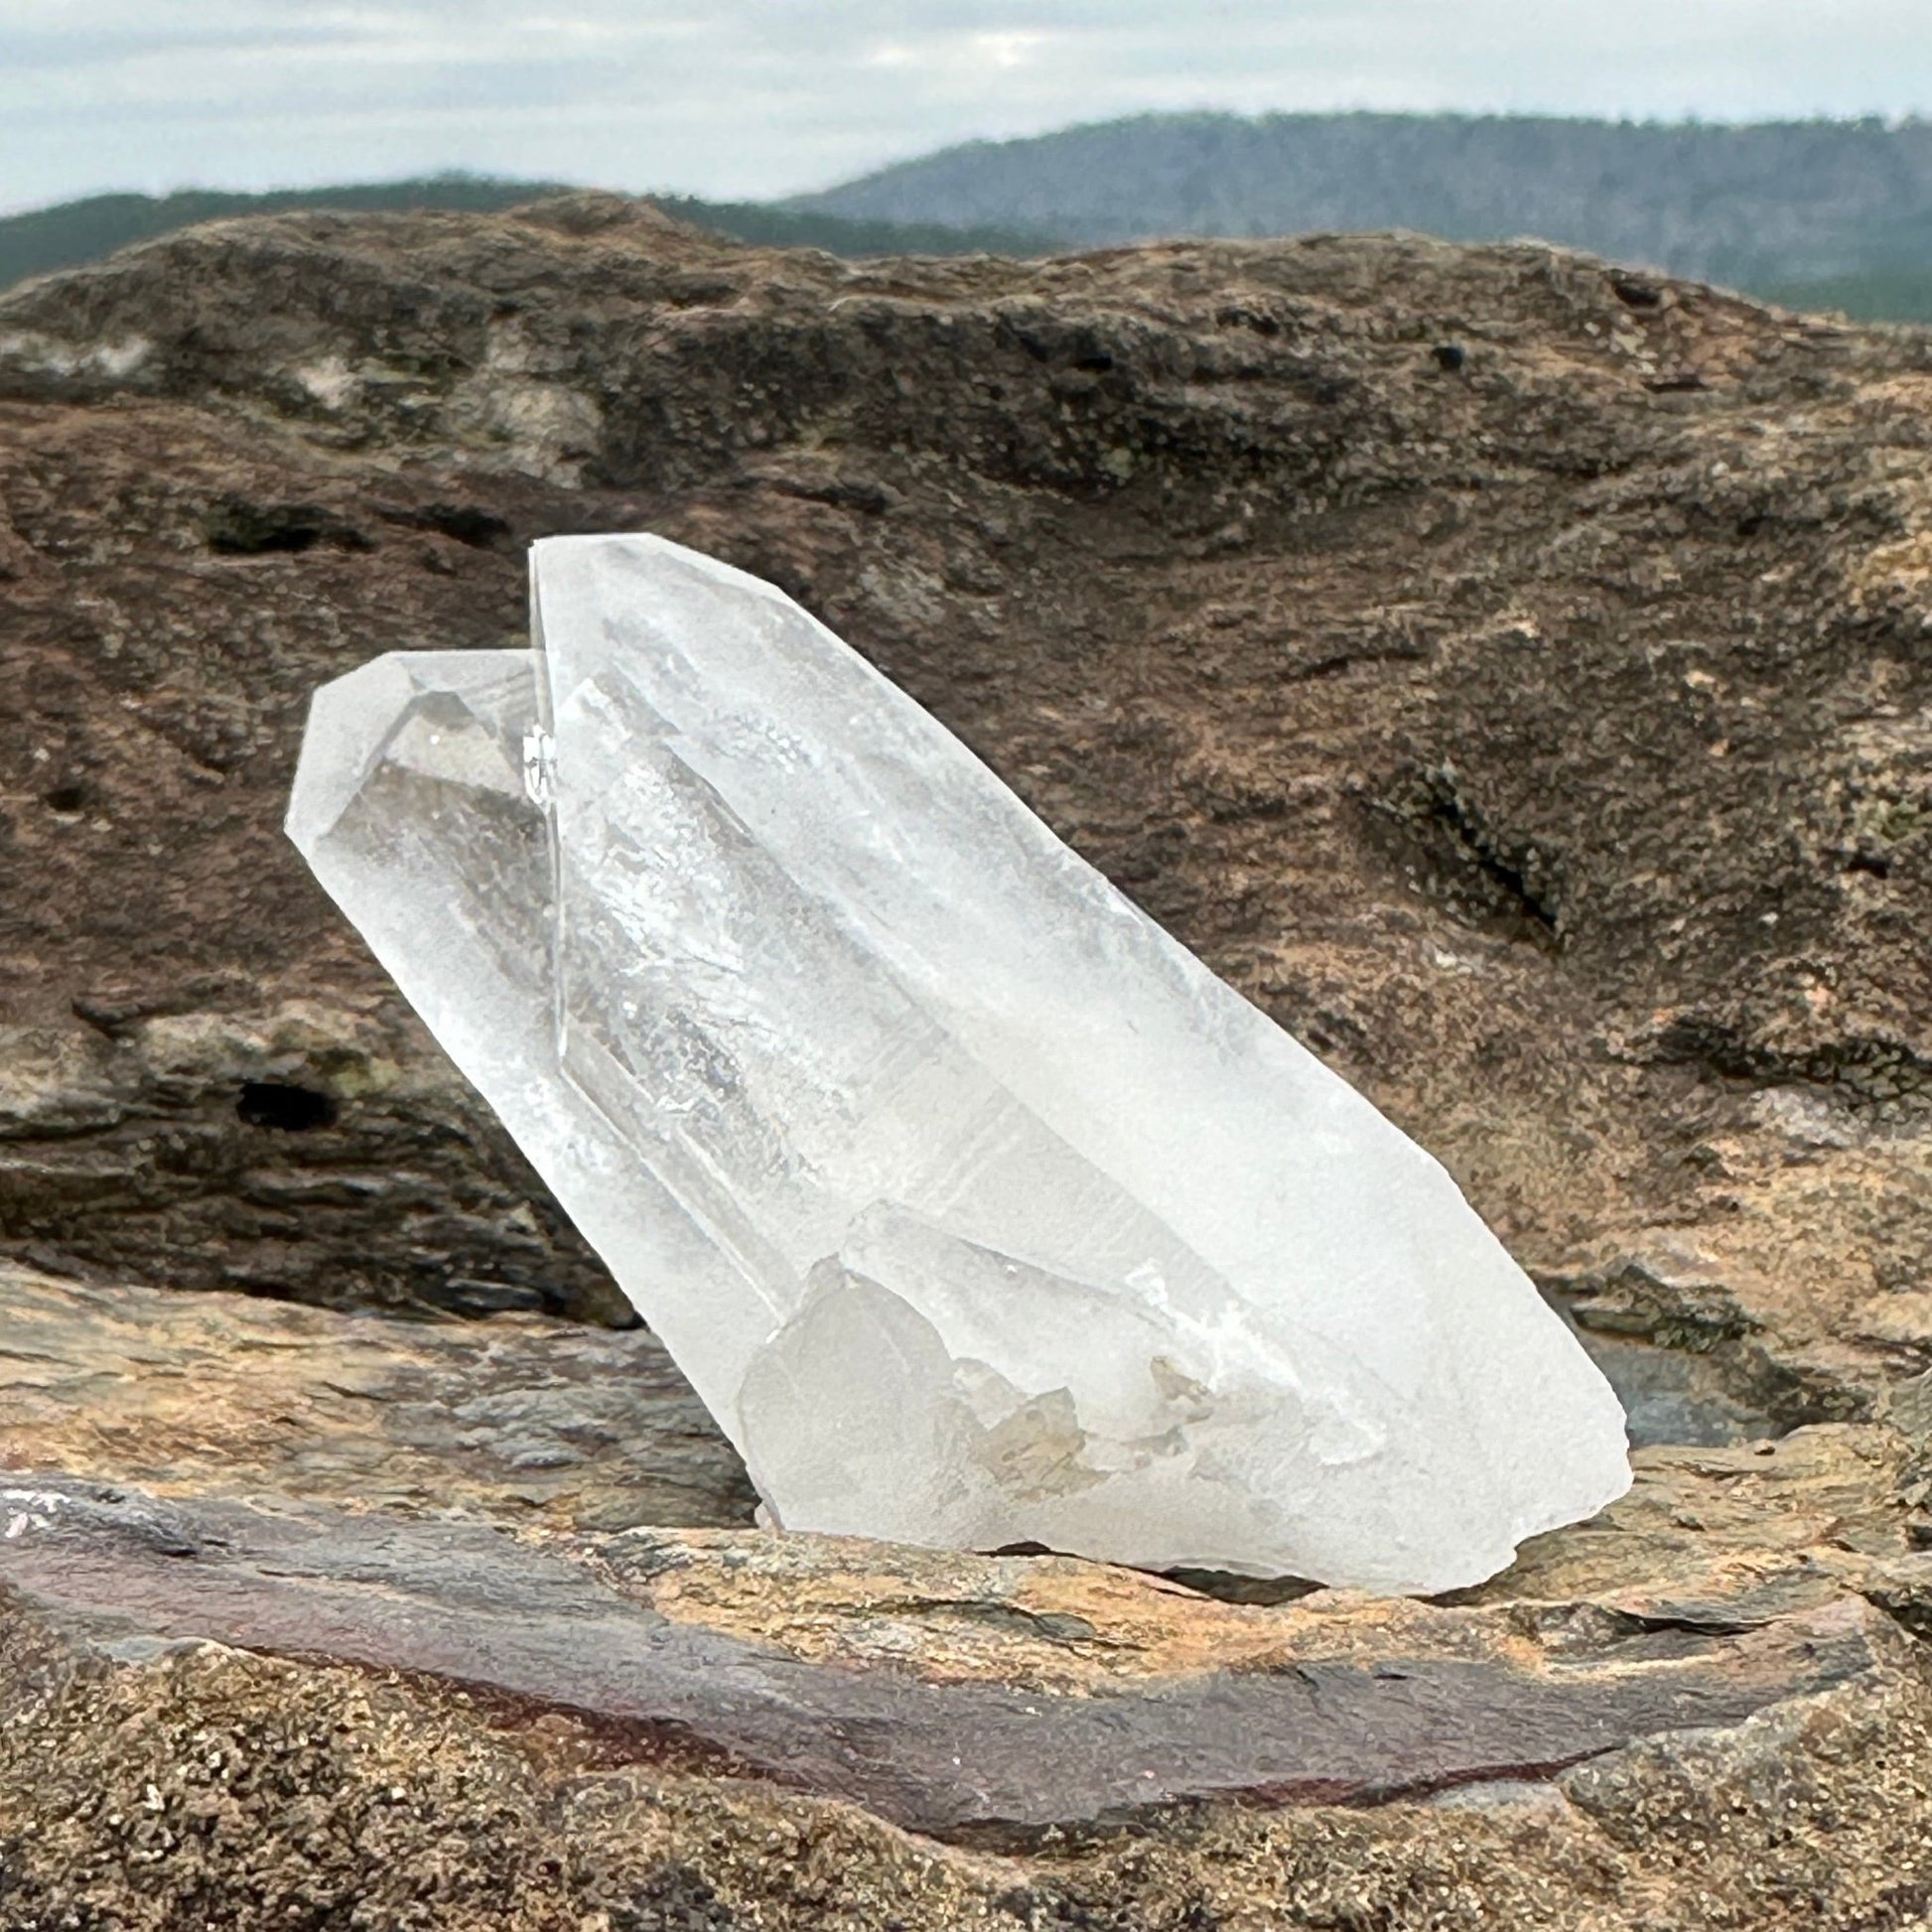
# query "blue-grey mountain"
(1767, 207)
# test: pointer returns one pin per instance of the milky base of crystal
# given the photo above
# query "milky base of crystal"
(976, 1208)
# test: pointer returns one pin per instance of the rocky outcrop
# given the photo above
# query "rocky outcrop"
(330, 1616)
(319, 1616)
(985, 1760)
(1509, 670)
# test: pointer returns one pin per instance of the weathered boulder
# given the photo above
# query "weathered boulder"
(1511, 671)
(326, 1618)
(1539, 729)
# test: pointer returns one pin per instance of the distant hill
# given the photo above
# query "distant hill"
(45, 239)
(1829, 212)
(1815, 215)
(74, 232)
(1879, 295)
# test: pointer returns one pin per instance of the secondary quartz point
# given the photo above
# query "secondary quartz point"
(976, 1208)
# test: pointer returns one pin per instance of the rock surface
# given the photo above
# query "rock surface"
(1307, 1720)
(1511, 671)
(407, 1688)
(517, 1421)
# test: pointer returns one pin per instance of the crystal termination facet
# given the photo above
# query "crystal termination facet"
(976, 1208)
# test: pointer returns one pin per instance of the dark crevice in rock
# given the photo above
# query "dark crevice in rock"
(237, 528)
(465, 523)
(114, 1011)
(1696, 1623)
(1689, 1366)
(285, 1107)
(1868, 1071)
(1514, 866)
(1634, 292)
(1227, 1587)
(1454, 852)
(1673, 1397)
(1907, 1606)
(840, 493)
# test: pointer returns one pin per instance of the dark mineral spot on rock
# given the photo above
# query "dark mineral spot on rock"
(66, 800)
(285, 1107)
(1450, 357)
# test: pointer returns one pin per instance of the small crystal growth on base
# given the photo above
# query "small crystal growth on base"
(975, 1207)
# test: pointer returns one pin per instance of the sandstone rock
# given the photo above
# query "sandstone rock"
(1543, 739)
(1544, 744)
(294, 1621)
(517, 1421)
(287, 1631)
(1331, 1716)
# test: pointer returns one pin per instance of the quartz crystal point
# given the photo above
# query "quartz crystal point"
(976, 1208)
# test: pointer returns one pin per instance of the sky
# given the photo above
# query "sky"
(745, 98)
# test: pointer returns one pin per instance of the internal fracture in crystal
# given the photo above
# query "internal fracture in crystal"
(976, 1208)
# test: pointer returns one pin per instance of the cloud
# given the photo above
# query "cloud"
(953, 51)
(766, 96)
(1012, 48)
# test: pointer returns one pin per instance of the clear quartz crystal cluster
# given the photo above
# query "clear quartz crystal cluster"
(977, 1209)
